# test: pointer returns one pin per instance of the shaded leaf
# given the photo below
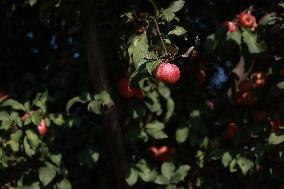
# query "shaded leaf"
(226, 159)
(46, 174)
(182, 134)
(274, 139)
(63, 184)
(132, 177)
(254, 46)
(245, 164)
(168, 170)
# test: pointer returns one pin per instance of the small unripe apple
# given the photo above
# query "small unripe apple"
(124, 88)
(247, 20)
(231, 131)
(230, 26)
(42, 129)
(167, 72)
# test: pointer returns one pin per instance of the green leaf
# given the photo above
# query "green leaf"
(41, 100)
(152, 65)
(46, 175)
(64, 184)
(138, 74)
(226, 159)
(36, 117)
(95, 107)
(172, 187)
(232, 166)
(100, 103)
(166, 93)
(178, 31)
(280, 85)
(14, 140)
(182, 134)
(103, 97)
(245, 164)
(57, 119)
(29, 151)
(132, 177)
(216, 154)
(4, 116)
(154, 129)
(168, 169)
(88, 157)
(167, 15)
(85, 97)
(35, 185)
(274, 139)
(162, 180)
(32, 2)
(268, 19)
(144, 172)
(32, 138)
(235, 36)
(211, 43)
(176, 6)
(16, 119)
(56, 158)
(181, 173)
(254, 46)
(13, 104)
(138, 48)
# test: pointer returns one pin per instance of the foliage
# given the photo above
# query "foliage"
(220, 126)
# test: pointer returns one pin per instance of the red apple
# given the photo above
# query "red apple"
(139, 93)
(42, 129)
(245, 86)
(246, 98)
(230, 26)
(260, 115)
(231, 130)
(160, 154)
(124, 88)
(167, 72)
(275, 125)
(247, 20)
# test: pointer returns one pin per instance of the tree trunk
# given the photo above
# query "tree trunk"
(100, 82)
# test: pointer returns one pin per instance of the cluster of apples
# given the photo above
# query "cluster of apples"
(246, 20)
(244, 96)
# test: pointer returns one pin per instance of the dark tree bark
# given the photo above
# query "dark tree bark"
(95, 57)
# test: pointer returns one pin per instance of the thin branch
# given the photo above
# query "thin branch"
(160, 35)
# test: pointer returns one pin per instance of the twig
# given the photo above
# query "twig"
(160, 35)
